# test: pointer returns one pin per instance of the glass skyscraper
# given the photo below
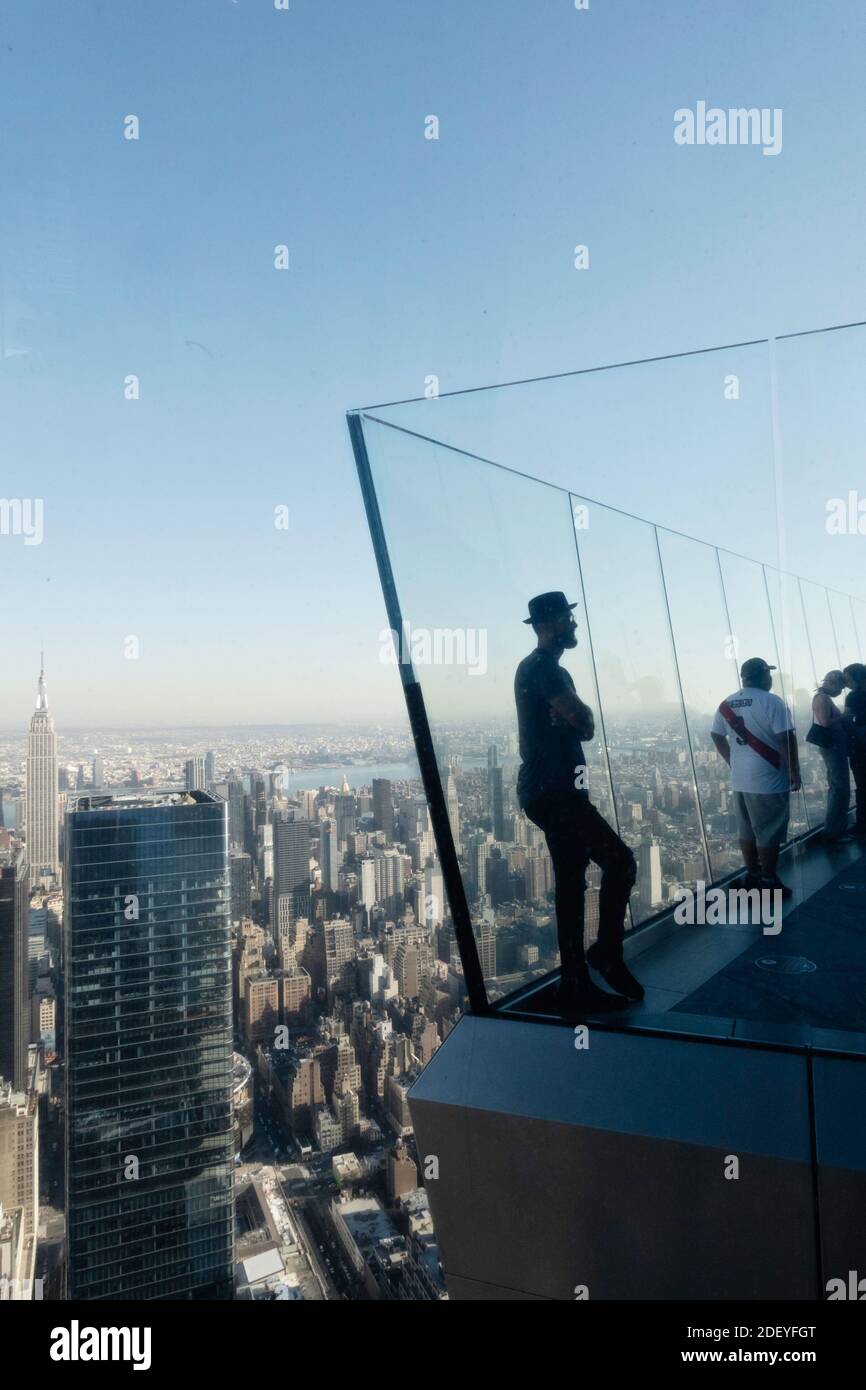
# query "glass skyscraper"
(149, 1035)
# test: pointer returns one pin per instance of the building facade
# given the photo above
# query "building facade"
(149, 1201)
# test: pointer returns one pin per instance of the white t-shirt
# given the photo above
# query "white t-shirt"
(769, 719)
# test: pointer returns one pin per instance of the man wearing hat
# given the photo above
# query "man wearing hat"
(754, 732)
(551, 789)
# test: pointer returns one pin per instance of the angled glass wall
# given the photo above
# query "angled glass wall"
(465, 534)
(647, 733)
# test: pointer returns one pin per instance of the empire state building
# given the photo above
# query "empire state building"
(42, 801)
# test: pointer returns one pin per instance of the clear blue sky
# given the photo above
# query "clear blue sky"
(408, 257)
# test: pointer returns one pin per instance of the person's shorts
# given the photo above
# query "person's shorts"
(762, 817)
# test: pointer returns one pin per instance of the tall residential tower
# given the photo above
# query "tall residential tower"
(42, 799)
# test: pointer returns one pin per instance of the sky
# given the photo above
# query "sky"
(162, 589)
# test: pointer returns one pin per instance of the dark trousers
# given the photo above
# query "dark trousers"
(576, 833)
(838, 789)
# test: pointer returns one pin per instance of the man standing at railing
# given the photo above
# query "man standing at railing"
(754, 732)
(552, 790)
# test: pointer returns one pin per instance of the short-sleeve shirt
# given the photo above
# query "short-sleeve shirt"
(769, 719)
(550, 752)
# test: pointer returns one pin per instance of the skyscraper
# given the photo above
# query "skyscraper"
(240, 878)
(98, 770)
(236, 813)
(291, 864)
(194, 774)
(14, 968)
(42, 801)
(329, 855)
(453, 805)
(383, 807)
(346, 813)
(497, 802)
(367, 882)
(649, 876)
(149, 1195)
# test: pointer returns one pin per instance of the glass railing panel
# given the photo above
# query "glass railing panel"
(822, 496)
(819, 626)
(647, 736)
(469, 545)
(751, 623)
(844, 627)
(707, 672)
(662, 439)
(822, 431)
(793, 681)
(664, 620)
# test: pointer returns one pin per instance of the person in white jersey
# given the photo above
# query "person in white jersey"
(754, 732)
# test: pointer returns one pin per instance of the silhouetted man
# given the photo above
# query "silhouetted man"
(855, 714)
(552, 790)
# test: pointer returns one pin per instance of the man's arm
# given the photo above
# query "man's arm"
(569, 709)
(791, 758)
(723, 748)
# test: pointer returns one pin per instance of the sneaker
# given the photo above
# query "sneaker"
(577, 1001)
(615, 973)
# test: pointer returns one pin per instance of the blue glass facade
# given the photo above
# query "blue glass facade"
(149, 1034)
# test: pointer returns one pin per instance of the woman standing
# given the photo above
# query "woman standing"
(834, 750)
